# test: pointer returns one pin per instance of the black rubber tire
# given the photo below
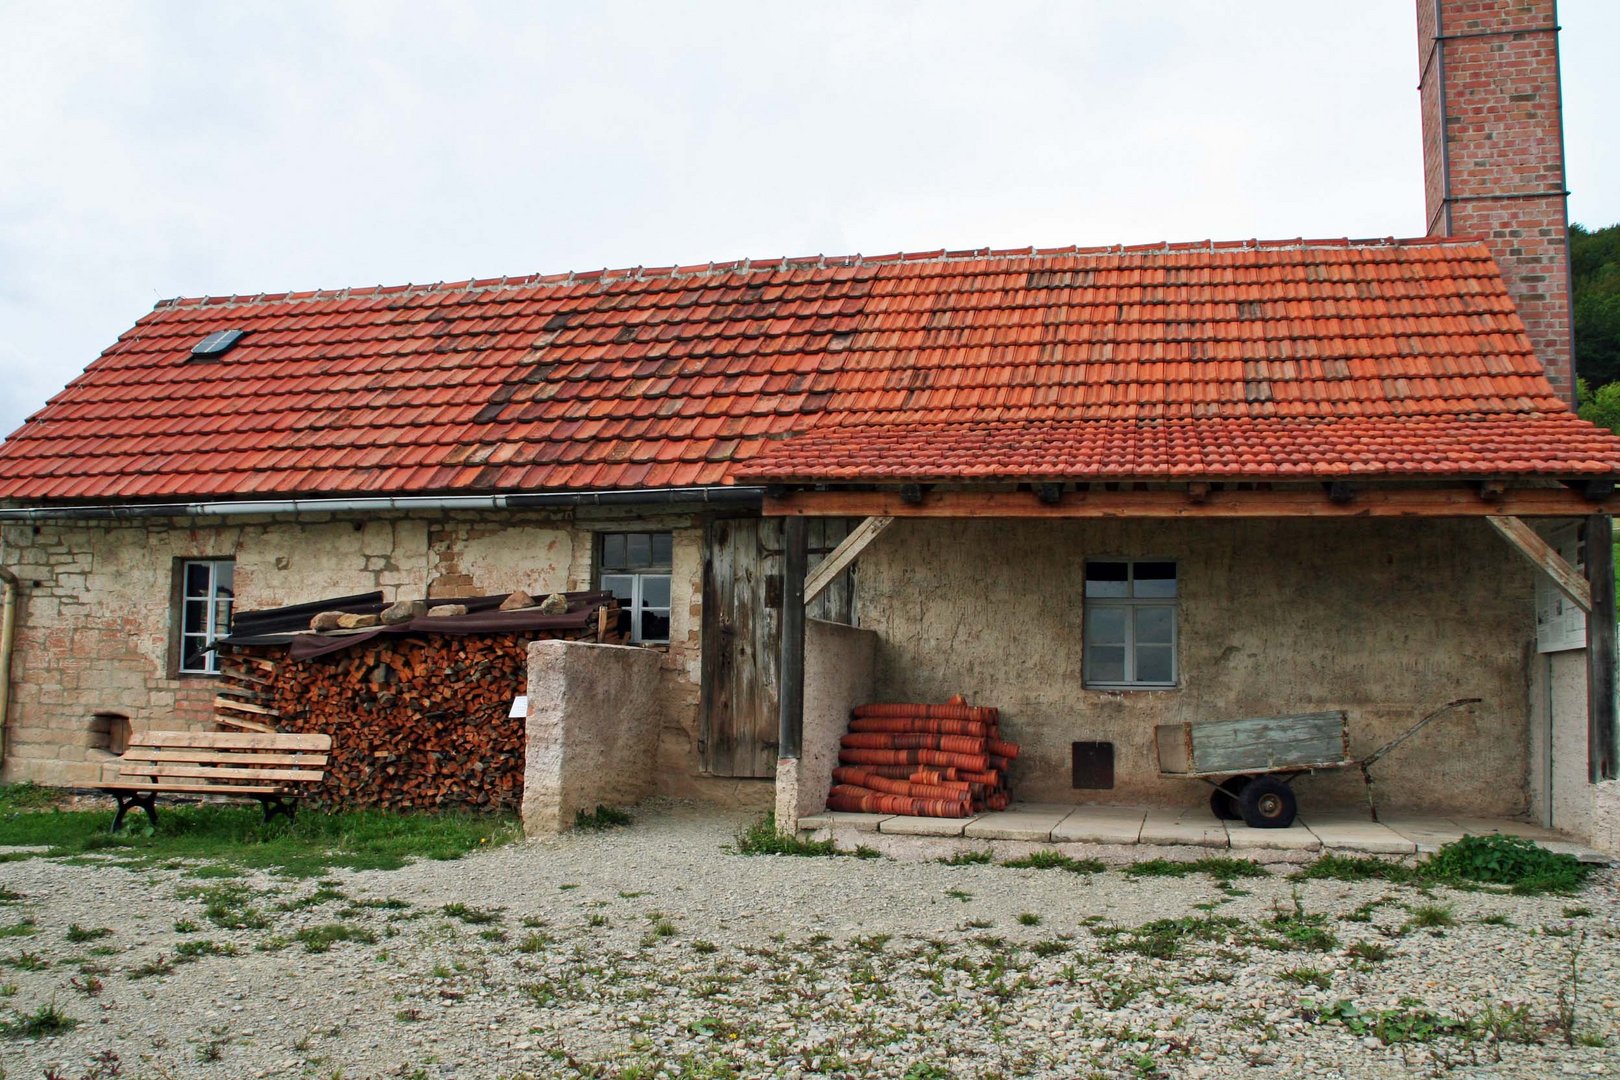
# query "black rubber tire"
(1223, 801)
(1268, 804)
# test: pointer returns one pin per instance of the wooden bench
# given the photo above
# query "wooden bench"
(271, 767)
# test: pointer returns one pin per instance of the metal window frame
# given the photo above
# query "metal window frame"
(1131, 605)
(211, 629)
(636, 576)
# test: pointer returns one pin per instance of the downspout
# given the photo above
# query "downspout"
(8, 637)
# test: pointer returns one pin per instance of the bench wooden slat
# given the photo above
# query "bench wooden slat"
(223, 772)
(232, 740)
(301, 758)
(197, 789)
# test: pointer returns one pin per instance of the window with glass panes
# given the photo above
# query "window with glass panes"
(207, 591)
(635, 568)
(1130, 624)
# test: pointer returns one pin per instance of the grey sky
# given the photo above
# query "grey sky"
(150, 150)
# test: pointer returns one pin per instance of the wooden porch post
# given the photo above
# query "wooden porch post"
(1600, 649)
(795, 559)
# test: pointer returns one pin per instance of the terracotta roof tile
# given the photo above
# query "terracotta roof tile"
(1219, 360)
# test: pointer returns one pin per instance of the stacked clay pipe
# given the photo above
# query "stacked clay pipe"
(923, 761)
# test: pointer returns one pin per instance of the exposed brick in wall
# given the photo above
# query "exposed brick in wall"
(1493, 153)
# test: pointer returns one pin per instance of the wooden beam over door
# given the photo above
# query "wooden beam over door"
(1541, 555)
(1294, 502)
(842, 555)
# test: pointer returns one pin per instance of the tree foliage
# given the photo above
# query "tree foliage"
(1595, 266)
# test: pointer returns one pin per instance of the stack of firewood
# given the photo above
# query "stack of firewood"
(923, 761)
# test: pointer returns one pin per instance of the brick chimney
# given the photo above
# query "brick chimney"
(1493, 154)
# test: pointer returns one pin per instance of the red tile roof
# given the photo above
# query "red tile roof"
(1221, 360)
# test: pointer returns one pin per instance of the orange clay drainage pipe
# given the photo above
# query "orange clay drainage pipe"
(8, 637)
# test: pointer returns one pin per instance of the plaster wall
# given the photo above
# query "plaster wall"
(592, 731)
(840, 663)
(95, 625)
(1385, 619)
(1563, 674)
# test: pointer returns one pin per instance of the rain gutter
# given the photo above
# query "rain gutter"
(726, 496)
(8, 637)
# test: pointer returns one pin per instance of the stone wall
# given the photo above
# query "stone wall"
(1384, 618)
(592, 731)
(94, 632)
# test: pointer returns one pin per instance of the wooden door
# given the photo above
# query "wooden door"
(742, 613)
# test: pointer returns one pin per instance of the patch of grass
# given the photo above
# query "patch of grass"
(27, 961)
(534, 942)
(1432, 916)
(26, 798)
(959, 894)
(970, 858)
(236, 836)
(26, 928)
(1162, 939)
(1054, 860)
(186, 926)
(603, 817)
(472, 916)
(1219, 868)
(44, 1021)
(761, 838)
(229, 907)
(1029, 918)
(596, 919)
(158, 965)
(1579, 911)
(1307, 976)
(196, 950)
(1494, 920)
(1308, 932)
(323, 895)
(1356, 868)
(79, 934)
(319, 939)
(1373, 952)
(10, 896)
(1523, 865)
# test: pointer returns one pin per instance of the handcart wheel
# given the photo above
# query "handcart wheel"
(1223, 801)
(1268, 804)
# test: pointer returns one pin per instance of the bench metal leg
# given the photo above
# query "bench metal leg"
(126, 799)
(278, 804)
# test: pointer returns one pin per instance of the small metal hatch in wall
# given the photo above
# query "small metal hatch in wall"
(1093, 765)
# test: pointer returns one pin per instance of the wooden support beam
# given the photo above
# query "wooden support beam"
(1541, 555)
(790, 686)
(1600, 650)
(842, 555)
(1418, 502)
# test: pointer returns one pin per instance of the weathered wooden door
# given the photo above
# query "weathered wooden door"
(742, 612)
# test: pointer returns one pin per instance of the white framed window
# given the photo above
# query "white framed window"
(635, 567)
(207, 593)
(1130, 624)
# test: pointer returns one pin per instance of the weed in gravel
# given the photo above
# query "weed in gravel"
(1307, 976)
(596, 920)
(8, 990)
(79, 934)
(1054, 860)
(761, 838)
(229, 907)
(195, 950)
(1432, 916)
(472, 916)
(323, 895)
(970, 858)
(603, 817)
(1372, 952)
(45, 1021)
(273, 943)
(158, 965)
(1579, 911)
(1494, 920)
(319, 939)
(214, 870)
(89, 985)
(1029, 918)
(212, 1048)
(1524, 866)
(186, 926)
(663, 928)
(1219, 868)
(1363, 913)
(568, 886)
(10, 896)
(1410, 1022)
(705, 948)
(27, 961)
(1053, 947)
(1162, 939)
(408, 1016)
(534, 942)
(25, 928)
(959, 894)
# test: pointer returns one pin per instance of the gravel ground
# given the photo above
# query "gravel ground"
(651, 951)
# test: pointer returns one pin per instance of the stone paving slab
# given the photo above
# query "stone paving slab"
(925, 826)
(1100, 825)
(1196, 827)
(843, 818)
(1428, 831)
(1025, 821)
(1345, 833)
(1294, 838)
